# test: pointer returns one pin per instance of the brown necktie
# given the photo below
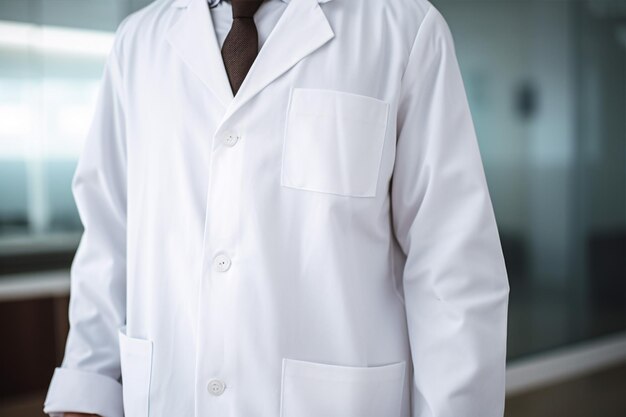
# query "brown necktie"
(241, 45)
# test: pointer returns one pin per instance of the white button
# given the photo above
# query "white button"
(222, 262)
(216, 387)
(231, 138)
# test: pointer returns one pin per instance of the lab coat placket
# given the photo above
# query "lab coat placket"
(221, 225)
(217, 295)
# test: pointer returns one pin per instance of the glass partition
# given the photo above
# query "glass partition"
(546, 81)
(52, 54)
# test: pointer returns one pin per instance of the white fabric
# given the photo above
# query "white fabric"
(321, 244)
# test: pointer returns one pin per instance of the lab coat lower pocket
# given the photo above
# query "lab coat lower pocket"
(311, 389)
(333, 142)
(136, 365)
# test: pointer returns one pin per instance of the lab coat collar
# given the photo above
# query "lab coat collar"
(211, 2)
(301, 29)
(185, 3)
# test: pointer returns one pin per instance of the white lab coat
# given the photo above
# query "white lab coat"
(321, 245)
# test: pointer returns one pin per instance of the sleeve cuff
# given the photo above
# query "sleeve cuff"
(83, 392)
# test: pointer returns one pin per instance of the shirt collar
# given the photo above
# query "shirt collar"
(213, 3)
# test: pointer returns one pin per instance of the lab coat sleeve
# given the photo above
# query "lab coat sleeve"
(88, 379)
(454, 278)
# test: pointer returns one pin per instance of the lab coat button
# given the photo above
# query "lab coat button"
(216, 387)
(222, 263)
(231, 138)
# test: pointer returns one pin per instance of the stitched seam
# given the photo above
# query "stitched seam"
(285, 138)
(282, 389)
(417, 36)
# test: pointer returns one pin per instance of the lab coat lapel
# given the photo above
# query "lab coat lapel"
(301, 29)
(194, 40)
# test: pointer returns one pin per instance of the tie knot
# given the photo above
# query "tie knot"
(245, 8)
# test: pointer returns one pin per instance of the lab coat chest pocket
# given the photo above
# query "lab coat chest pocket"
(333, 142)
(311, 389)
(136, 365)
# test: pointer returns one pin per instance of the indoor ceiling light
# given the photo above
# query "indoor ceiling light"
(53, 39)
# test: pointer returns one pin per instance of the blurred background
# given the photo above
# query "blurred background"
(546, 81)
